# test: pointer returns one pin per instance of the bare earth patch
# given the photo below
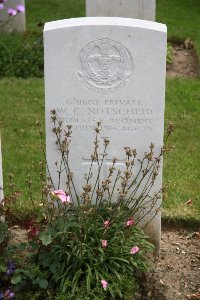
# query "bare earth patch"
(184, 61)
(176, 274)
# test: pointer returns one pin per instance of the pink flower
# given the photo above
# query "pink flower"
(104, 243)
(104, 284)
(11, 12)
(1, 6)
(129, 223)
(62, 196)
(20, 8)
(106, 224)
(134, 250)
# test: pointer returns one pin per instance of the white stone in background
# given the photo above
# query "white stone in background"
(137, 9)
(1, 173)
(18, 22)
(109, 69)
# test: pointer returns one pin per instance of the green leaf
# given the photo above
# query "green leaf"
(43, 283)
(3, 268)
(33, 245)
(88, 278)
(120, 259)
(16, 279)
(45, 237)
(22, 246)
(3, 227)
(114, 272)
(88, 282)
(54, 268)
(2, 237)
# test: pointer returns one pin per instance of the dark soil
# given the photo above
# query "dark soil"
(184, 61)
(175, 275)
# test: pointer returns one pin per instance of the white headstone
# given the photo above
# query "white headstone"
(16, 23)
(109, 69)
(1, 173)
(137, 9)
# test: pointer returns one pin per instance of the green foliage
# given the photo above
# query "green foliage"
(16, 279)
(45, 237)
(181, 18)
(4, 233)
(169, 53)
(21, 55)
(74, 262)
(128, 286)
(38, 11)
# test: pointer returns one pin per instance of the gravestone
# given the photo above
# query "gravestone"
(137, 9)
(16, 23)
(109, 69)
(1, 173)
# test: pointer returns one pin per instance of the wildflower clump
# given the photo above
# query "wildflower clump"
(11, 12)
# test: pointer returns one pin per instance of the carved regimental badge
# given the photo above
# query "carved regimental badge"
(106, 66)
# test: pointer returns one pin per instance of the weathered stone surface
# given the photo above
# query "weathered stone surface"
(16, 23)
(110, 70)
(137, 9)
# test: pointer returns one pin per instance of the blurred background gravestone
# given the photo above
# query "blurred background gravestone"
(13, 22)
(137, 9)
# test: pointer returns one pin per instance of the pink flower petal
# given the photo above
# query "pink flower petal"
(104, 243)
(63, 198)
(134, 250)
(59, 192)
(106, 224)
(20, 8)
(68, 199)
(104, 284)
(11, 12)
(1, 6)
(129, 223)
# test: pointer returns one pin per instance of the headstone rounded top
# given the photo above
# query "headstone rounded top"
(106, 21)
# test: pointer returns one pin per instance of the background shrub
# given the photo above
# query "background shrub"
(21, 55)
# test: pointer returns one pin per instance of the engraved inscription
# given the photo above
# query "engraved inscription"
(106, 66)
(126, 115)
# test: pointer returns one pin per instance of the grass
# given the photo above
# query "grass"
(50, 10)
(182, 19)
(181, 172)
(22, 103)
(180, 16)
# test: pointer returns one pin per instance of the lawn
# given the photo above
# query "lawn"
(181, 16)
(22, 103)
